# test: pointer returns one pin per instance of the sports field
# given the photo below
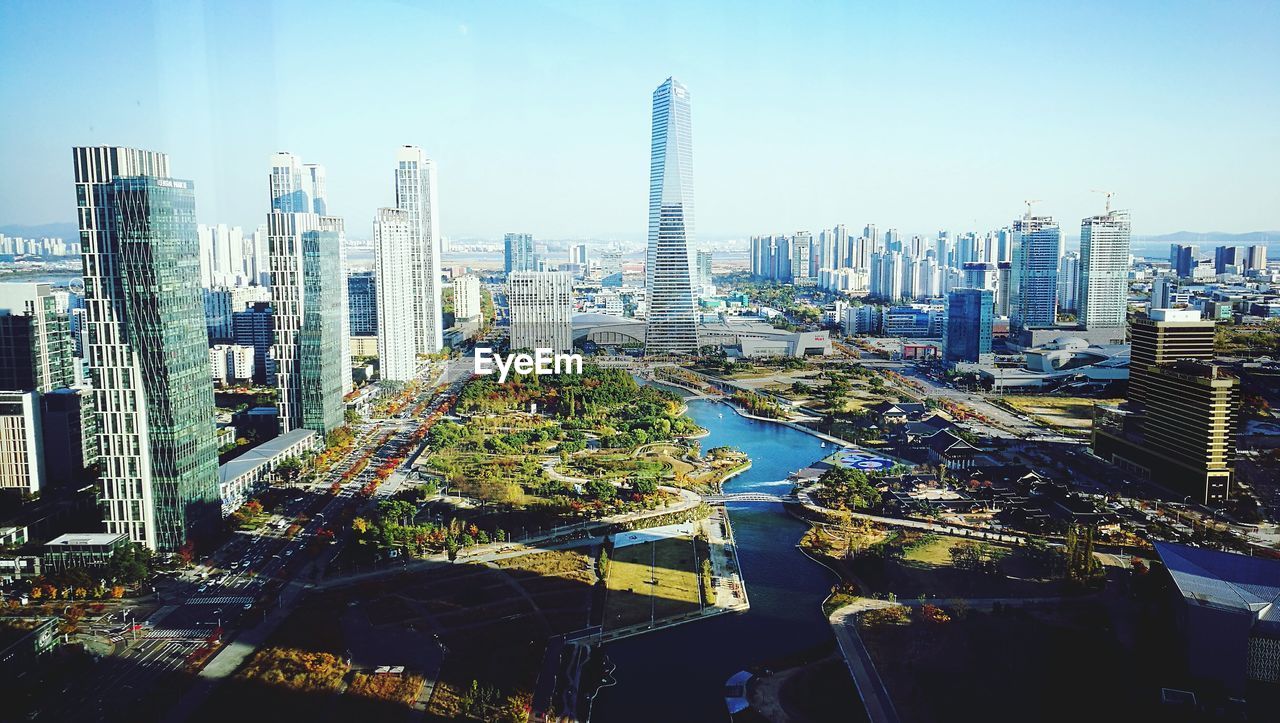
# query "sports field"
(651, 581)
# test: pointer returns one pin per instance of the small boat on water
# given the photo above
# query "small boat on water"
(824, 444)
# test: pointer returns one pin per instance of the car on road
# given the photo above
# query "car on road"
(202, 588)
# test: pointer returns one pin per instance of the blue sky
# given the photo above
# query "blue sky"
(918, 116)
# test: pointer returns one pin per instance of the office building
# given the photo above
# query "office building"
(147, 351)
(306, 300)
(36, 346)
(220, 303)
(541, 309)
(578, 255)
(1182, 414)
(1182, 259)
(670, 322)
(69, 428)
(306, 305)
(1069, 282)
(362, 300)
(518, 253)
(1229, 259)
(1104, 272)
(394, 241)
(82, 549)
(1257, 258)
(1033, 298)
(466, 297)
(416, 195)
(255, 327)
(967, 328)
(21, 443)
(1163, 336)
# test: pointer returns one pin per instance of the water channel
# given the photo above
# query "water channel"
(678, 674)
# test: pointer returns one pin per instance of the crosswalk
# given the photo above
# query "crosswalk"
(220, 600)
(197, 634)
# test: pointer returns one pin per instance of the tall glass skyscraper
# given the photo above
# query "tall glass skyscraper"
(671, 324)
(147, 346)
(517, 253)
(307, 293)
(1104, 271)
(967, 327)
(416, 190)
(1033, 298)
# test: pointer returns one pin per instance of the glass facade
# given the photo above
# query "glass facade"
(1037, 245)
(671, 324)
(146, 343)
(968, 325)
(320, 364)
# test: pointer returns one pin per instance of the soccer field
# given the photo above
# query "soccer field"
(651, 581)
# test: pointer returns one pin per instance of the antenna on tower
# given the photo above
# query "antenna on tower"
(1031, 203)
(1108, 194)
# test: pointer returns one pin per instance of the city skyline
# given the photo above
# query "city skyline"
(897, 118)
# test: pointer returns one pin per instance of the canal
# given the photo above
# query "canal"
(678, 674)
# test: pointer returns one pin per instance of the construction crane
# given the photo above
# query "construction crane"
(1108, 194)
(1031, 203)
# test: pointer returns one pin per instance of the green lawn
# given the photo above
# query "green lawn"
(651, 580)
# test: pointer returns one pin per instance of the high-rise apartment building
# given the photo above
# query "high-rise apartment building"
(541, 309)
(578, 255)
(1033, 298)
(670, 322)
(416, 195)
(147, 348)
(35, 340)
(362, 300)
(466, 297)
(801, 257)
(1104, 272)
(704, 268)
(1069, 282)
(306, 298)
(394, 240)
(69, 430)
(967, 328)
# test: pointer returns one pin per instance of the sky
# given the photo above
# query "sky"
(919, 116)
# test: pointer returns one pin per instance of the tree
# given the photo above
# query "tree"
(849, 488)
(600, 490)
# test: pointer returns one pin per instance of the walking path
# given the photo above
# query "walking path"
(875, 698)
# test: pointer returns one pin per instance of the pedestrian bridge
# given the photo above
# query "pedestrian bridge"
(748, 497)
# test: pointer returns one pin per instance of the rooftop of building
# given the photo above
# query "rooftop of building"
(1225, 580)
(85, 538)
(262, 454)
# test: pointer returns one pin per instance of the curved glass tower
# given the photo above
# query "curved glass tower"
(671, 326)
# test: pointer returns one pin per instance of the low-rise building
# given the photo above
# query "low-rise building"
(250, 473)
(82, 549)
(1227, 614)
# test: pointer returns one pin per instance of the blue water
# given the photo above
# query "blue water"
(678, 674)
